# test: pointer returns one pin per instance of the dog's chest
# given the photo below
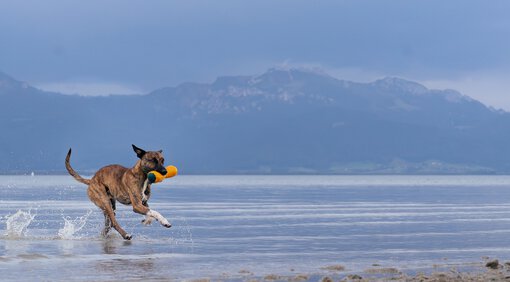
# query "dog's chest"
(145, 191)
(124, 200)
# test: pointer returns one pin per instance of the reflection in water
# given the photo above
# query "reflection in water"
(15, 247)
(67, 247)
(135, 268)
(112, 243)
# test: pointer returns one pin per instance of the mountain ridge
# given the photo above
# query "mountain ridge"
(281, 121)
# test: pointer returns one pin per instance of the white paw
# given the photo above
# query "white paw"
(156, 215)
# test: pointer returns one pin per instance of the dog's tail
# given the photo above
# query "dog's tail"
(74, 173)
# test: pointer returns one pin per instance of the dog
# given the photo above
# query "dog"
(128, 186)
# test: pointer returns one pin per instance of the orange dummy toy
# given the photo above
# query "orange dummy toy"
(155, 177)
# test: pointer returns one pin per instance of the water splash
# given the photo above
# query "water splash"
(184, 234)
(72, 226)
(17, 223)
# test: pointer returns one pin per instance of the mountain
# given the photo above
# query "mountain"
(282, 121)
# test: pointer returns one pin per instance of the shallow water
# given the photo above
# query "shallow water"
(237, 227)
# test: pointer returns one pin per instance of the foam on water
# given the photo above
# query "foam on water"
(72, 226)
(17, 223)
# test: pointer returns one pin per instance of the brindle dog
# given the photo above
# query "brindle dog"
(117, 183)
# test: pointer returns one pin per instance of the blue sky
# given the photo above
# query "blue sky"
(97, 47)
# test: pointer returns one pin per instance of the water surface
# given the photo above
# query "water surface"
(239, 227)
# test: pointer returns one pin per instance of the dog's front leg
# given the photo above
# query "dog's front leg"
(150, 214)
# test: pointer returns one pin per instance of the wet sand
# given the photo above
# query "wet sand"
(485, 270)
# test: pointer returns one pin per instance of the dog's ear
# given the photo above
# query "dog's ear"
(160, 151)
(139, 152)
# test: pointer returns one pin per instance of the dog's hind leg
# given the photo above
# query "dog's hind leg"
(107, 225)
(115, 224)
(97, 194)
(107, 221)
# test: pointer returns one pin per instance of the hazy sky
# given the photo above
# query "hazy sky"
(97, 47)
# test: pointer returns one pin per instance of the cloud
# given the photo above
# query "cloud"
(90, 88)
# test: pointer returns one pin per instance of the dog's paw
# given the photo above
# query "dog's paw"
(146, 222)
(165, 222)
(128, 237)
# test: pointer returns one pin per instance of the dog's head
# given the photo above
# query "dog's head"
(151, 160)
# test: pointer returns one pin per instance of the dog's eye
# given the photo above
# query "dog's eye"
(162, 160)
